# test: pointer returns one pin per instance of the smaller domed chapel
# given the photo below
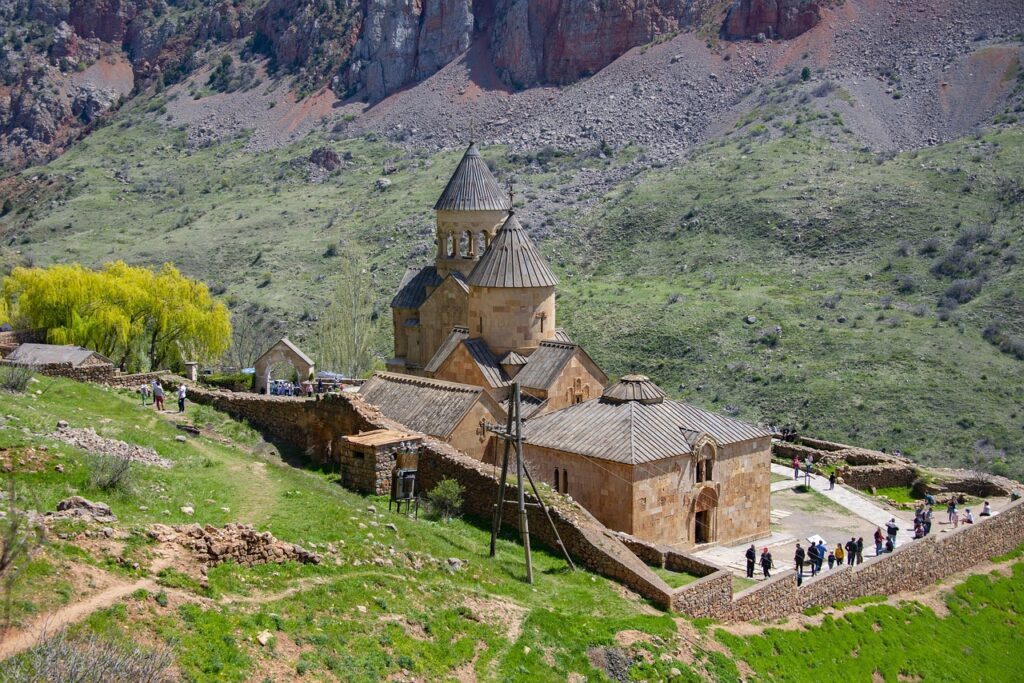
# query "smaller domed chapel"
(483, 316)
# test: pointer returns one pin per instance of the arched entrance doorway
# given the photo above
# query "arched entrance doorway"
(704, 517)
(273, 364)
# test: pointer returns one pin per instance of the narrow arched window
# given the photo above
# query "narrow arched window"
(565, 481)
(556, 481)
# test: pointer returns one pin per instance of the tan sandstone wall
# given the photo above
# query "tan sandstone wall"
(469, 436)
(446, 307)
(659, 513)
(100, 374)
(591, 383)
(509, 316)
(744, 508)
(604, 488)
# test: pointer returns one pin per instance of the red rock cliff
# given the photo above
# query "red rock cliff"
(771, 18)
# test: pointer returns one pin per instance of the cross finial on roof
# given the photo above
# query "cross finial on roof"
(511, 196)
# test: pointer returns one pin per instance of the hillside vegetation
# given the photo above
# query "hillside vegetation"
(388, 604)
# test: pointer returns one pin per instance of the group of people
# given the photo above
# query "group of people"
(282, 388)
(156, 391)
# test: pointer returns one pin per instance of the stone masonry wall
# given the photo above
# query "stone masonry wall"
(90, 373)
(134, 381)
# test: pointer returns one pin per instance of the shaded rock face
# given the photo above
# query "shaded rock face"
(770, 18)
(404, 41)
(560, 41)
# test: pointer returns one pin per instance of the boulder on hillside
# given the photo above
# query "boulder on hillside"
(77, 507)
(325, 157)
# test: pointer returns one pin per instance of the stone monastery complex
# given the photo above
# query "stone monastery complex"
(483, 316)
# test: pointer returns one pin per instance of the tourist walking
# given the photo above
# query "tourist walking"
(839, 554)
(831, 559)
(822, 552)
(950, 511)
(927, 521)
(879, 539)
(144, 392)
(860, 550)
(158, 395)
(812, 557)
(832, 481)
(766, 562)
(796, 468)
(798, 559)
(851, 551)
(181, 398)
(751, 561)
(955, 518)
(892, 528)
(807, 471)
(986, 510)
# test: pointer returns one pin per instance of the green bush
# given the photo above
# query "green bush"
(237, 381)
(446, 499)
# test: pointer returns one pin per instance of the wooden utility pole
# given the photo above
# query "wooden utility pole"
(512, 435)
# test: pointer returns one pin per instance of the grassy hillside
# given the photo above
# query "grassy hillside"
(384, 605)
(886, 293)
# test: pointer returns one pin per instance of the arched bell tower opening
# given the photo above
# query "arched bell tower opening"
(469, 213)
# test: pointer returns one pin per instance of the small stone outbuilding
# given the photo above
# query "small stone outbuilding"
(455, 413)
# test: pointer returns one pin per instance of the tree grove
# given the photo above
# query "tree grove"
(135, 316)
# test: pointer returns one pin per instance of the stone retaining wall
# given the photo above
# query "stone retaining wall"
(99, 374)
(877, 476)
(134, 381)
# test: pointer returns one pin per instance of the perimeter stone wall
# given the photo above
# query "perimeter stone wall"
(100, 374)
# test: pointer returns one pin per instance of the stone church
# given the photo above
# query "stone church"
(483, 317)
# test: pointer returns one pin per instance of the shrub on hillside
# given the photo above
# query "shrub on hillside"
(15, 377)
(107, 473)
(956, 262)
(87, 657)
(963, 291)
(446, 499)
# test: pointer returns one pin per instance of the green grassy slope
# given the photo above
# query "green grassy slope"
(853, 255)
(356, 619)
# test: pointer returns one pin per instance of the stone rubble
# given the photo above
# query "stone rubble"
(239, 543)
(77, 507)
(88, 440)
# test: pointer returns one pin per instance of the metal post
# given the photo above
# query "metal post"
(524, 525)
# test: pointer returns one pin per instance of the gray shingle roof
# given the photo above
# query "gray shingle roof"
(48, 354)
(512, 260)
(472, 187)
(545, 364)
(426, 405)
(447, 347)
(529, 404)
(412, 290)
(486, 361)
(633, 432)
(634, 388)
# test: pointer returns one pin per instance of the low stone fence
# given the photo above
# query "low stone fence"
(88, 373)
(908, 568)
(877, 476)
(134, 381)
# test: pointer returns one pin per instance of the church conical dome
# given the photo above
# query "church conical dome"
(472, 187)
(634, 388)
(512, 260)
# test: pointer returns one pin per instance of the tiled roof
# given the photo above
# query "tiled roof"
(447, 347)
(412, 290)
(512, 260)
(529, 404)
(486, 361)
(634, 388)
(47, 354)
(296, 350)
(633, 432)
(545, 364)
(426, 405)
(472, 187)
(513, 358)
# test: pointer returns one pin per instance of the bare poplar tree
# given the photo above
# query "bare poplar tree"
(343, 338)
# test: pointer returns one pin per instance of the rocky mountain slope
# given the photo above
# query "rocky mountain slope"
(526, 73)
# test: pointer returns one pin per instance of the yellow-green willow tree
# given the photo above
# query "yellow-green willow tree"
(133, 315)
